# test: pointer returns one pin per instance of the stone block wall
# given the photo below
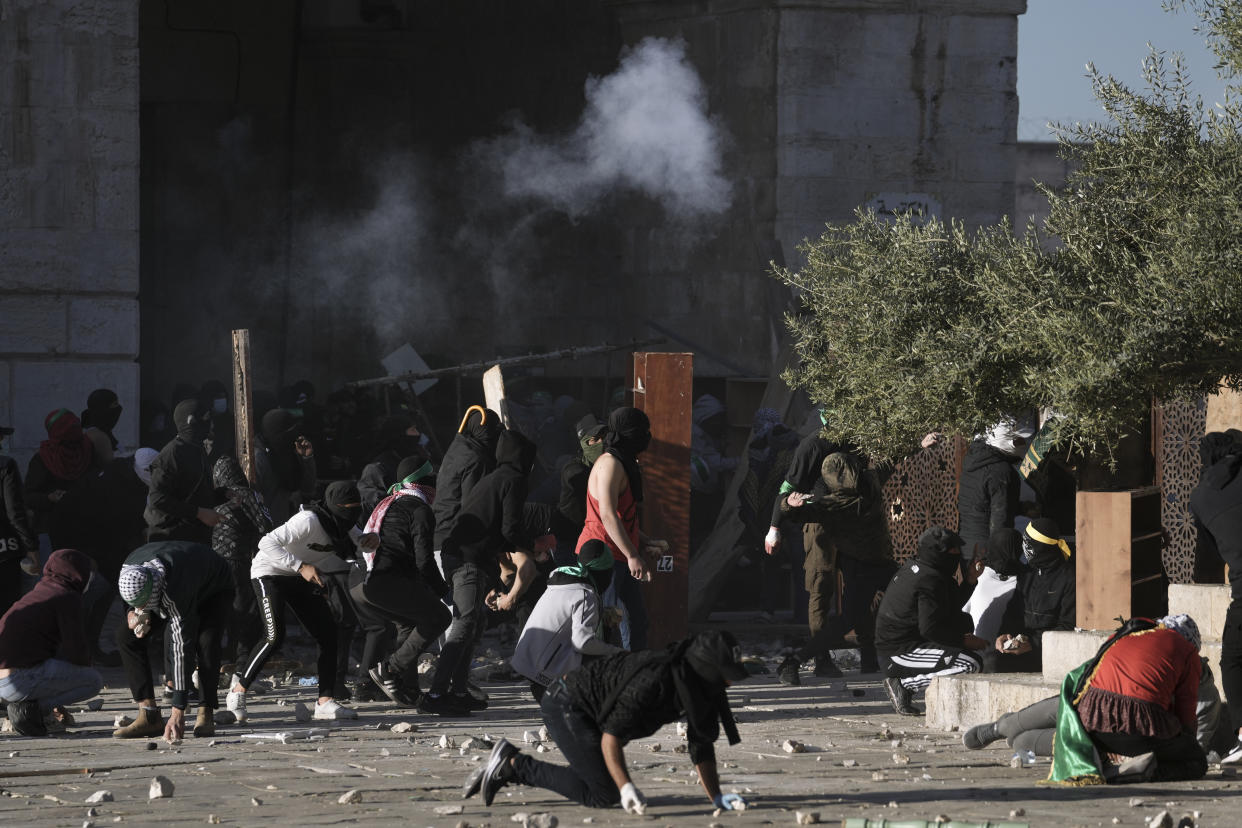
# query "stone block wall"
(68, 211)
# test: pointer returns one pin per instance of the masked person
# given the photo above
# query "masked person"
(285, 469)
(614, 503)
(1043, 600)
(44, 655)
(471, 455)
(103, 412)
(185, 590)
(848, 503)
(490, 522)
(182, 502)
(564, 629)
(244, 520)
(989, 486)
(399, 438)
(19, 546)
(294, 568)
(919, 632)
(400, 582)
(593, 712)
(570, 515)
(63, 458)
(215, 396)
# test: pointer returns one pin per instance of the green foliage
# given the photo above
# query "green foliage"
(908, 327)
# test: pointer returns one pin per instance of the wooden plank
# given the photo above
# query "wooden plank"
(494, 393)
(243, 406)
(1103, 569)
(662, 388)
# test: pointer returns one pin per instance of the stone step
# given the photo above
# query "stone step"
(1206, 603)
(1063, 651)
(961, 702)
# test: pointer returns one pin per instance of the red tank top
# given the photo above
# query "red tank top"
(594, 529)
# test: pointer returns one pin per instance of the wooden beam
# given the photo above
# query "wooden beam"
(662, 388)
(243, 404)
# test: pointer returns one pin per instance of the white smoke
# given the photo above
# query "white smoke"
(645, 129)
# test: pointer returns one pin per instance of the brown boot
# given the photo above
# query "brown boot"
(150, 723)
(205, 724)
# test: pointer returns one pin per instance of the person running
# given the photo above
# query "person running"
(401, 583)
(185, 590)
(293, 568)
(593, 712)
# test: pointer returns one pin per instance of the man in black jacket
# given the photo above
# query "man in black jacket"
(920, 631)
(182, 496)
(471, 455)
(1044, 599)
(490, 522)
(401, 583)
(593, 712)
(989, 486)
(1217, 505)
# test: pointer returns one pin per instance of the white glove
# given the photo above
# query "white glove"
(632, 800)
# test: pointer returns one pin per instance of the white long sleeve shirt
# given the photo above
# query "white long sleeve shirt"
(299, 540)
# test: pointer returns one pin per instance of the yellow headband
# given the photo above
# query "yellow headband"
(1035, 534)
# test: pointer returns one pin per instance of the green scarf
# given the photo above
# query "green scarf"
(583, 569)
(591, 453)
(418, 474)
(1074, 758)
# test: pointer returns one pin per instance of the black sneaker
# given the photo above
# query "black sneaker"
(1232, 757)
(442, 705)
(980, 736)
(388, 682)
(466, 701)
(787, 672)
(26, 718)
(900, 697)
(498, 771)
(824, 668)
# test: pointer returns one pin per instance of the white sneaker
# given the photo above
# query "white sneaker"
(235, 703)
(333, 711)
(1234, 755)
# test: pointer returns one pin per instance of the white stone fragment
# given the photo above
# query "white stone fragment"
(212, 819)
(448, 810)
(901, 759)
(122, 720)
(849, 763)
(806, 817)
(475, 743)
(655, 747)
(1163, 819)
(255, 801)
(99, 796)
(682, 730)
(161, 788)
(446, 742)
(793, 746)
(1135, 801)
(404, 727)
(92, 812)
(350, 797)
(543, 733)
(1017, 812)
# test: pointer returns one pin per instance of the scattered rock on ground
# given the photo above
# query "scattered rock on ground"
(161, 788)
(99, 796)
(477, 743)
(793, 746)
(448, 810)
(404, 727)
(122, 721)
(225, 717)
(1161, 820)
(301, 712)
(446, 742)
(94, 704)
(350, 797)
(806, 817)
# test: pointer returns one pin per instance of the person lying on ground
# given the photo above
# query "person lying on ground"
(593, 712)
(44, 655)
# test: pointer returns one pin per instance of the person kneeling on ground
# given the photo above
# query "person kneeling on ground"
(1136, 704)
(593, 712)
(44, 657)
(563, 629)
(187, 589)
(919, 632)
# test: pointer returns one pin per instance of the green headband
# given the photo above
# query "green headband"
(583, 569)
(418, 474)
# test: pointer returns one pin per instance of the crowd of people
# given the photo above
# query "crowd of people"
(409, 550)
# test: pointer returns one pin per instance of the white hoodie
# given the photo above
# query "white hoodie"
(299, 540)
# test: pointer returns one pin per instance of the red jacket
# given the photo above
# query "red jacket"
(1157, 665)
(47, 621)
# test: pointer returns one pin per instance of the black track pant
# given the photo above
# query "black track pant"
(409, 603)
(308, 604)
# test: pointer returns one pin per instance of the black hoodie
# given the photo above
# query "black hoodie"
(471, 455)
(987, 497)
(921, 605)
(181, 479)
(491, 517)
(48, 621)
(1217, 504)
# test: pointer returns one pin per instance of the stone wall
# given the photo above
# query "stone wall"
(68, 211)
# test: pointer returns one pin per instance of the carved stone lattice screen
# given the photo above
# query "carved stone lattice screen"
(922, 492)
(1180, 426)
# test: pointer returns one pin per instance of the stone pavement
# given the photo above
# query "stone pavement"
(860, 760)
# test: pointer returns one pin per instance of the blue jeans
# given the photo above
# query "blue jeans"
(628, 593)
(52, 683)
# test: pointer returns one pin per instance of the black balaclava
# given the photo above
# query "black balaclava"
(629, 434)
(716, 657)
(1037, 553)
(103, 410)
(513, 449)
(940, 549)
(1004, 552)
(1217, 445)
(338, 512)
(193, 421)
